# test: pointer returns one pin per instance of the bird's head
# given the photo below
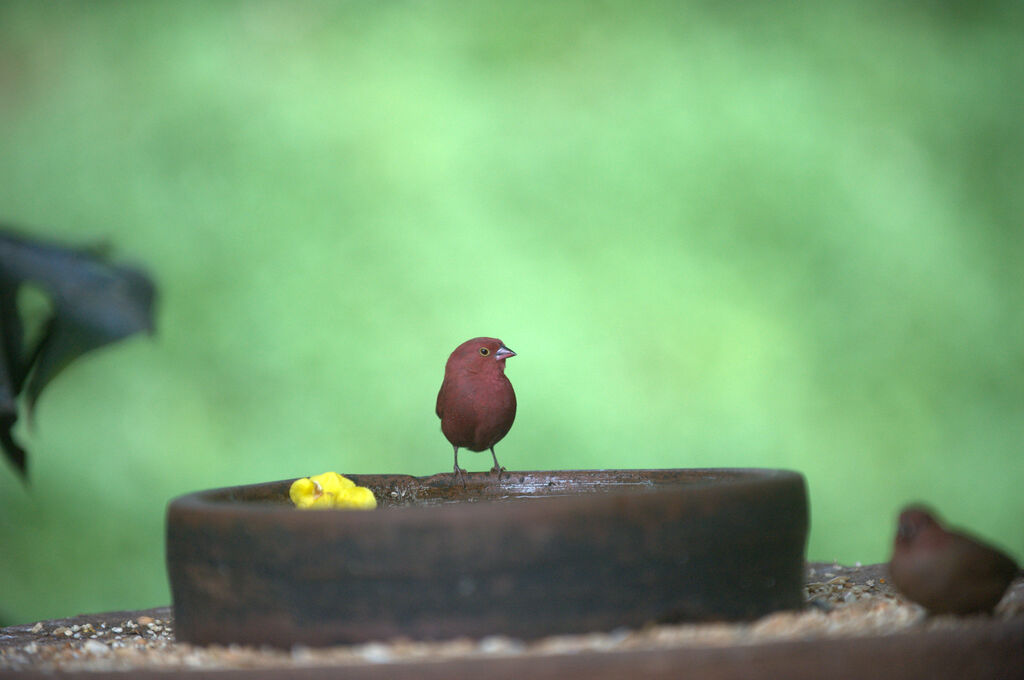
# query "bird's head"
(913, 520)
(480, 354)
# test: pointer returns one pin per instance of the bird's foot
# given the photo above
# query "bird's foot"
(459, 474)
(498, 469)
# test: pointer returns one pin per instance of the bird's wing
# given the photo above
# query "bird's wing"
(986, 562)
(440, 398)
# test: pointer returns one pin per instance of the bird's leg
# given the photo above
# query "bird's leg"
(459, 472)
(497, 466)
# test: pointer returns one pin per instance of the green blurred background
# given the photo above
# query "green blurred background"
(718, 234)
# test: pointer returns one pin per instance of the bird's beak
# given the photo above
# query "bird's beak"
(503, 353)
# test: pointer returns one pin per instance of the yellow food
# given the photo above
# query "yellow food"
(358, 497)
(330, 490)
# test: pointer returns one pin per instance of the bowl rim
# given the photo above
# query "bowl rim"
(692, 487)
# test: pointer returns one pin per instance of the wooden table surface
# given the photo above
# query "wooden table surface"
(975, 647)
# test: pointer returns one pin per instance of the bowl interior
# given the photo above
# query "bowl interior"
(403, 491)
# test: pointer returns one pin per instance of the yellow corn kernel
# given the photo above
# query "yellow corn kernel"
(332, 482)
(330, 490)
(357, 498)
(324, 501)
(304, 491)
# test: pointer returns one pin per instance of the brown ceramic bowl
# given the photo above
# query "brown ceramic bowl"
(531, 554)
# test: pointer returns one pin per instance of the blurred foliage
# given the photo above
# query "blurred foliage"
(89, 303)
(717, 234)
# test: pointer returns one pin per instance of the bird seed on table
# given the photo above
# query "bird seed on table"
(842, 603)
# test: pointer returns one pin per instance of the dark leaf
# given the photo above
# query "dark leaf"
(94, 303)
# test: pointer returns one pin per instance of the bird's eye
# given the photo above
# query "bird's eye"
(484, 351)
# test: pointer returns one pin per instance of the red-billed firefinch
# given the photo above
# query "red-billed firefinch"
(476, 403)
(946, 572)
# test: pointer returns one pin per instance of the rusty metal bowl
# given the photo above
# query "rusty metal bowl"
(531, 554)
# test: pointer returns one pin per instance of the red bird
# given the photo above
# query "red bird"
(946, 572)
(476, 403)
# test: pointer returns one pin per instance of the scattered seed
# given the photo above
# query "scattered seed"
(96, 648)
(837, 607)
(376, 652)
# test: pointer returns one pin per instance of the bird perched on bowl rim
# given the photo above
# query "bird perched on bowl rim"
(947, 572)
(476, 402)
